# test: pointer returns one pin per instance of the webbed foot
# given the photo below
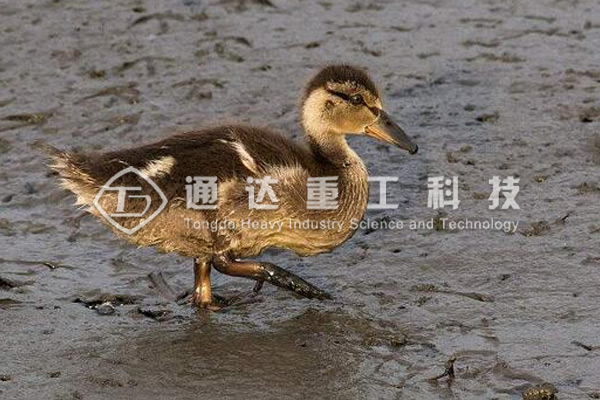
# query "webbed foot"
(268, 272)
(213, 304)
(280, 277)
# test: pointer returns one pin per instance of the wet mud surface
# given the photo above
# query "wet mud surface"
(485, 87)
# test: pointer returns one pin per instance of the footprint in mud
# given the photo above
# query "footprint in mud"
(505, 57)
(128, 93)
(481, 43)
(486, 23)
(17, 121)
(160, 17)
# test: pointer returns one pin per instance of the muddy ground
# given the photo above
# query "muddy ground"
(485, 87)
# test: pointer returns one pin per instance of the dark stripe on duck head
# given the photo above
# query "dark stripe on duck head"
(346, 97)
(340, 74)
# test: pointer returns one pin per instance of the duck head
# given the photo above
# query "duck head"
(341, 100)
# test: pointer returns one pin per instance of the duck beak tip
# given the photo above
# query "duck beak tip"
(385, 129)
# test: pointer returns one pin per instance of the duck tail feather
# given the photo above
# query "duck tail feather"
(73, 170)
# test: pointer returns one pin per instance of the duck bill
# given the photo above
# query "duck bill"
(385, 129)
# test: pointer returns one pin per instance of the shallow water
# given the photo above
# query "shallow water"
(515, 82)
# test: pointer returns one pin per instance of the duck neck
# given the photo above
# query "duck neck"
(334, 157)
(333, 150)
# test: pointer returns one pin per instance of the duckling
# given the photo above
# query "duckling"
(339, 100)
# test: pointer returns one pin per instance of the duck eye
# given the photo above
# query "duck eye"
(356, 100)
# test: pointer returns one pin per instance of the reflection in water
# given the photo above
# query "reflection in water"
(207, 358)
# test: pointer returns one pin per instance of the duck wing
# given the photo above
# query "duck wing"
(227, 152)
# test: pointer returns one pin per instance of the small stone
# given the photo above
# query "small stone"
(488, 118)
(545, 391)
(30, 188)
(97, 73)
(156, 313)
(451, 158)
(5, 377)
(106, 308)
(397, 341)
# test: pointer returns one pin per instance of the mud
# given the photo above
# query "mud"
(485, 87)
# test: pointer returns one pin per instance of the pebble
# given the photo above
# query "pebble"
(30, 188)
(106, 308)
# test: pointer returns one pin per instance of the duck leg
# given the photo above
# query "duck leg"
(202, 296)
(266, 272)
